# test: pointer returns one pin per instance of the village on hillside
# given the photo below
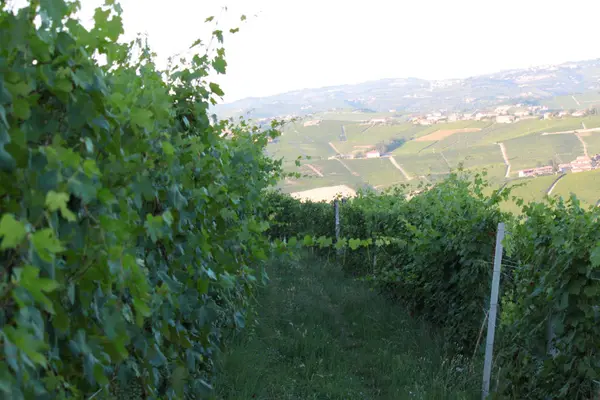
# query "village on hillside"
(519, 112)
(580, 164)
(501, 115)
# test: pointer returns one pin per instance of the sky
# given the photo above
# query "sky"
(287, 45)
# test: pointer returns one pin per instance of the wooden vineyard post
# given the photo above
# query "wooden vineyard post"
(489, 346)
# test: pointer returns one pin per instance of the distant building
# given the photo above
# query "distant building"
(527, 117)
(581, 164)
(505, 119)
(564, 167)
(531, 172)
(547, 115)
(485, 114)
(579, 114)
(372, 154)
(522, 113)
(452, 117)
(314, 122)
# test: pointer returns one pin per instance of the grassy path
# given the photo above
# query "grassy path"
(398, 167)
(321, 335)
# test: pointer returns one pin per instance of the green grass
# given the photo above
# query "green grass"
(452, 125)
(328, 167)
(459, 141)
(326, 131)
(291, 151)
(593, 143)
(422, 165)
(413, 148)
(365, 135)
(586, 185)
(537, 150)
(474, 157)
(322, 335)
(503, 132)
(333, 172)
(530, 189)
(525, 145)
(298, 140)
(377, 172)
(495, 174)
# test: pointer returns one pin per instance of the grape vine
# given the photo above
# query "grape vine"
(130, 226)
(435, 253)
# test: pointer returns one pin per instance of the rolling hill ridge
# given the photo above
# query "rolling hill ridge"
(412, 95)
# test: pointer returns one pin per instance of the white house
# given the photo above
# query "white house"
(314, 122)
(581, 163)
(373, 154)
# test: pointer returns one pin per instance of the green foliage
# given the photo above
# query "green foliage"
(323, 335)
(130, 220)
(438, 261)
(550, 320)
(435, 252)
(290, 218)
(12, 230)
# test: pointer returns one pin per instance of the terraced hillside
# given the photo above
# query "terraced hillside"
(333, 152)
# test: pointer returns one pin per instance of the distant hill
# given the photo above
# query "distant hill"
(538, 85)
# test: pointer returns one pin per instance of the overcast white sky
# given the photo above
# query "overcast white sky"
(311, 43)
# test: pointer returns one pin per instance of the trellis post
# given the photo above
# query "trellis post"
(489, 346)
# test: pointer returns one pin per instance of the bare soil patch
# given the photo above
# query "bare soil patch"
(444, 133)
(327, 193)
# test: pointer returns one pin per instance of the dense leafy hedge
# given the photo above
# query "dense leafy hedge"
(289, 217)
(129, 222)
(438, 256)
(550, 321)
(439, 261)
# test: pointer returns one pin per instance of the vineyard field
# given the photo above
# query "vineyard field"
(536, 150)
(584, 185)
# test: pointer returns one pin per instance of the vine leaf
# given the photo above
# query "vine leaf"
(595, 256)
(12, 231)
(58, 201)
(28, 278)
(46, 244)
